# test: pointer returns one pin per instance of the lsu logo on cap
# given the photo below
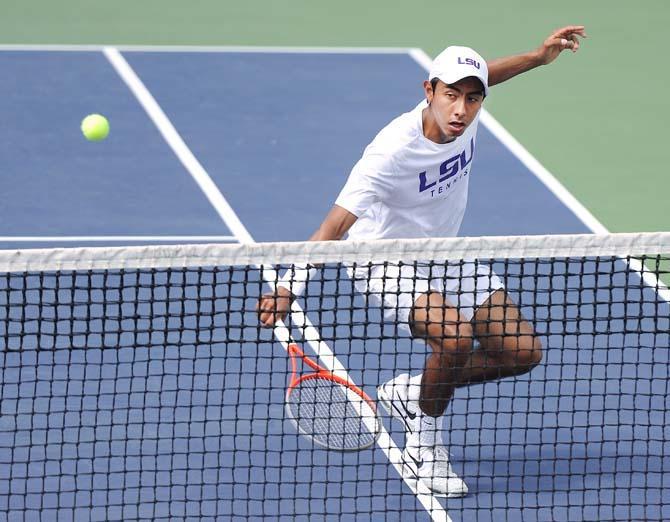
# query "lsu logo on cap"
(456, 62)
(468, 61)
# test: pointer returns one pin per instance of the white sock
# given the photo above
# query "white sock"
(430, 428)
(430, 431)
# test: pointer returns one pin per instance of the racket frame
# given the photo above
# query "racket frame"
(322, 373)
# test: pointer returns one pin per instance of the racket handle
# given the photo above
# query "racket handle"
(293, 349)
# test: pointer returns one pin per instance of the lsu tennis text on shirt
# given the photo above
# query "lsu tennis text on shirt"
(448, 169)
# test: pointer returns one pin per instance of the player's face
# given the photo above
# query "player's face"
(454, 107)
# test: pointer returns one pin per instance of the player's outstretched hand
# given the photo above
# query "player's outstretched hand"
(274, 307)
(560, 40)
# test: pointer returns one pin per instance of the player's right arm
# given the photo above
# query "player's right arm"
(369, 182)
(335, 226)
(275, 306)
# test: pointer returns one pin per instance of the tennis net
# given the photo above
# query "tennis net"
(136, 383)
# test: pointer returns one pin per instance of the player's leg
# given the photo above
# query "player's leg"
(508, 344)
(393, 288)
(450, 338)
(402, 291)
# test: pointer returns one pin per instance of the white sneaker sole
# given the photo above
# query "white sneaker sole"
(455, 487)
(410, 473)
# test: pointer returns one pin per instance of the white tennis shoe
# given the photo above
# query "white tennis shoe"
(394, 397)
(431, 465)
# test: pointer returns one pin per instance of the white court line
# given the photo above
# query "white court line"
(300, 320)
(205, 49)
(550, 181)
(176, 143)
(97, 239)
(51, 48)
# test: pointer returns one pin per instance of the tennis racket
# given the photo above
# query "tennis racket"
(331, 411)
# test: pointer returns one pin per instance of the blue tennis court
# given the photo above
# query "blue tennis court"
(277, 133)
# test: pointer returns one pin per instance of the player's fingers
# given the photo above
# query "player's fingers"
(265, 308)
(563, 43)
(267, 303)
(575, 42)
(268, 312)
(267, 319)
(564, 31)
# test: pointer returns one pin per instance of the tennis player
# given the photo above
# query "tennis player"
(412, 182)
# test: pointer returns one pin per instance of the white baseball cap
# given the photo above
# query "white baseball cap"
(455, 63)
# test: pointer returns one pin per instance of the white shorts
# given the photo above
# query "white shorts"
(465, 285)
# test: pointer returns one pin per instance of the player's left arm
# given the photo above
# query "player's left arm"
(502, 69)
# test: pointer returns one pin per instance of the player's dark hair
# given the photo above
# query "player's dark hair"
(433, 84)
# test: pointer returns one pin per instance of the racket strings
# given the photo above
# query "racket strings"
(333, 415)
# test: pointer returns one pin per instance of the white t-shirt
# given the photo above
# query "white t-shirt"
(407, 186)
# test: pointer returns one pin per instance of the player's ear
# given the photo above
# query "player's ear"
(428, 89)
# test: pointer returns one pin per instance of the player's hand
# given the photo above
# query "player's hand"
(560, 40)
(274, 307)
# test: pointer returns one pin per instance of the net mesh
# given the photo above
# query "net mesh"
(137, 383)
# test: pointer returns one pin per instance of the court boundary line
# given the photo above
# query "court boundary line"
(148, 103)
(205, 48)
(177, 144)
(552, 183)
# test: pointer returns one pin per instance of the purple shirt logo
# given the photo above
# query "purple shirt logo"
(430, 181)
(468, 61)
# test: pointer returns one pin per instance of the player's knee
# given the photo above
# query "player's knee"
(528, 353)
(454, 339)
(449, 338)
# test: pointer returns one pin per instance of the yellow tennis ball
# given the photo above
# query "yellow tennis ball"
(95, 127)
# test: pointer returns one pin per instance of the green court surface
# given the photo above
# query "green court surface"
(596, 120)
